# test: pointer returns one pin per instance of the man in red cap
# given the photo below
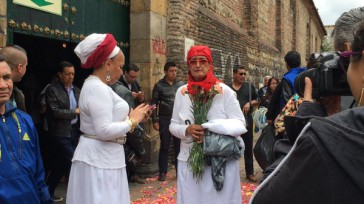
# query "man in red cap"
(224, 117)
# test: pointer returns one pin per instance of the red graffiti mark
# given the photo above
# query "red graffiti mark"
(159, 46)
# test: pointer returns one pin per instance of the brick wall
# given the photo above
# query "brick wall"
(3, 23)
(256, 34)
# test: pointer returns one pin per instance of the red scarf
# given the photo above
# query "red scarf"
(101, 53)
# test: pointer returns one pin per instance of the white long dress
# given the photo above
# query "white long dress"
(225, 107)
(98, 172)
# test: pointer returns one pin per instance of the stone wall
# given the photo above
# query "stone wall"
(3, 23)
(256, 34)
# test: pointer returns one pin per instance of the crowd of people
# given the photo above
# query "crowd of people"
(94, 134)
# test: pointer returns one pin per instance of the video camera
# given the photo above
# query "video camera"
(328, 76)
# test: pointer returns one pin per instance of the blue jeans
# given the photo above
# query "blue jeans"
(165, 136)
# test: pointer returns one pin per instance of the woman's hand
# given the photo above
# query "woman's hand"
(197, 132)
(140, 113)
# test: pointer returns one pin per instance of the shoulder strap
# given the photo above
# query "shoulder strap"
(250, 92)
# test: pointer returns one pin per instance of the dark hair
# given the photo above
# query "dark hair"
(63, 65)
(358, 43)
(293, 59)
(271, 80)
(132, 67)
(168, 65)
(236, 68)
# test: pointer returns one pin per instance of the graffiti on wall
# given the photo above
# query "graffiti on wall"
(159, 46)
(224, 62)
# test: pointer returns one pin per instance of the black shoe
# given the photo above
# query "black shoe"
(56, 199)
(162, 177)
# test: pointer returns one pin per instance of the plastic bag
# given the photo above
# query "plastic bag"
(263, 149)
(259, 118)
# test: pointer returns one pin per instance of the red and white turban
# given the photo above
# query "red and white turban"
(95, 49)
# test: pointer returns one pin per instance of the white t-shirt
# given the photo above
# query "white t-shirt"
(103, 114)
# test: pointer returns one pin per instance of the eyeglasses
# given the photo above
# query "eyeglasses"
(133, 77)
(200, 61)
(242, 73)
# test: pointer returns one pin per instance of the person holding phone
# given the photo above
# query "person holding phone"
(98, 173)
(129, 80)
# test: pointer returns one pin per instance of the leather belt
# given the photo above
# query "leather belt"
(119, 140)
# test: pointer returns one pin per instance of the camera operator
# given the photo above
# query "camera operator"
(325, 164)
(343, 36)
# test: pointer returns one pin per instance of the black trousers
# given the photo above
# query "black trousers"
(248, 142)
(165, 136)
(62, 149)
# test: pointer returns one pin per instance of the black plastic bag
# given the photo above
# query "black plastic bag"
(263, 150)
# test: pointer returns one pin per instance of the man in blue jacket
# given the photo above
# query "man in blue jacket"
(21, 168)
(293, 63)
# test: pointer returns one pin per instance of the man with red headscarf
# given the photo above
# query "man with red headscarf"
(224, 117)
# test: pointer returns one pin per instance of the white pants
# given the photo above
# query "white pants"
(204, 192)
(90, 185)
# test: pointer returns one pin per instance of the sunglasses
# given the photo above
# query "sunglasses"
(199, 61)
(349, 53)
(242, 74)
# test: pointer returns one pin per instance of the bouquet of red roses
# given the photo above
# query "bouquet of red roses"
(201, 96)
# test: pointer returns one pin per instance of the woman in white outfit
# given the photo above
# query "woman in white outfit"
(226, 110)
(98, 172)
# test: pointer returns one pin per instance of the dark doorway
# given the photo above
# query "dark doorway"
(44, 55)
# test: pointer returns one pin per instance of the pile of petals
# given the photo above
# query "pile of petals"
(166, 192)
(247, 190)
(162, 194)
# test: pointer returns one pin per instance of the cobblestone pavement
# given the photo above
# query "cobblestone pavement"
(154, 191)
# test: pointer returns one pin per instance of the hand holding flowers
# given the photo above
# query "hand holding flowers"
(201, 95)
(197, 132)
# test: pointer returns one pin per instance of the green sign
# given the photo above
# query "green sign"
(50, 6)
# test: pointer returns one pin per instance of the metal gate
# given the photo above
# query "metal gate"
(76, 19)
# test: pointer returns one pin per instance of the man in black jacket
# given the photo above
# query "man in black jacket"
(63, 123)
(163, 96)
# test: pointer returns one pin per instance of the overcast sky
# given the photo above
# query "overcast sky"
(330, 10)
